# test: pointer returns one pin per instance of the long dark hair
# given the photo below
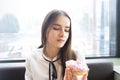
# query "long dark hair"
(66, 52)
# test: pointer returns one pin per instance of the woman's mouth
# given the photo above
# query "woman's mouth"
(60, 40)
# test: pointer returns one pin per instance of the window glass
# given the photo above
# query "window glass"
(20, 25)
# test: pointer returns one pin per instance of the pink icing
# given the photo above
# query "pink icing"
(78, 65)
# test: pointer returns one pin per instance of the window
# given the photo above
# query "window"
(20, 25)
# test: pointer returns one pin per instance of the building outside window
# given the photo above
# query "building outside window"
(20, 25)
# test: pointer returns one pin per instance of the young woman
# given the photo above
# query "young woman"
(48, 61)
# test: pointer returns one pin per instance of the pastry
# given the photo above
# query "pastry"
(77, 67)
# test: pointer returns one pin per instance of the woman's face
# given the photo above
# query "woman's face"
(59, 32)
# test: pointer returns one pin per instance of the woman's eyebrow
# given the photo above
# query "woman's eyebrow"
(67, 27)
(57, 24)
(61, 25)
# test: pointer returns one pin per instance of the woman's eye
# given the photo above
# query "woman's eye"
(67, 30)
(56, 28)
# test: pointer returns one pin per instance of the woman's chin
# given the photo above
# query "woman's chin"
(60, 45)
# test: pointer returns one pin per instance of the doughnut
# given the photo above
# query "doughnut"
(77, 67)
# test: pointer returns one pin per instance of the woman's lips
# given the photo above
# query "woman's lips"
(60, 40)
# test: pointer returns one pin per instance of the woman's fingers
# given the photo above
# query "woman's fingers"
(85, 76)
(74, 77)
(69, 75)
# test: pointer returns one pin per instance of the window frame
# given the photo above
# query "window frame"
(114, 34)
(118, 29)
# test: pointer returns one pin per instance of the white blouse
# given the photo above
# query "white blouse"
(37, 68)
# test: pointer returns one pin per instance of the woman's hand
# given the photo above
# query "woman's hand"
(69, 75)
(84, 76)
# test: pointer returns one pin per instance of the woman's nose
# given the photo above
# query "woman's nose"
(62, 33)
